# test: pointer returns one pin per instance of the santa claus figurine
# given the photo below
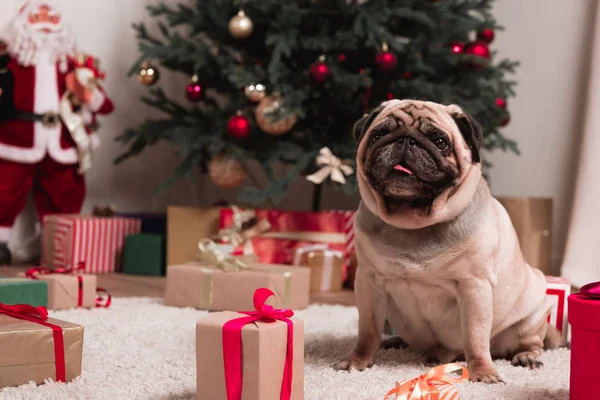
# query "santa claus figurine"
(50, 96)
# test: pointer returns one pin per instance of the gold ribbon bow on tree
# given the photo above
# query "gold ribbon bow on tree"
(331, 166)
(435, 384)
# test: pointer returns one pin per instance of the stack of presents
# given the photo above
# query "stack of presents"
(253, 265)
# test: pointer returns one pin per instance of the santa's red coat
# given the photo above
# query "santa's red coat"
(29, 142)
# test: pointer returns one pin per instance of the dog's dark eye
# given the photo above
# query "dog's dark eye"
(441, 143)
(375, 138)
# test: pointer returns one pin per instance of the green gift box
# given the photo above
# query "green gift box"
(144, 254)
(24, 291)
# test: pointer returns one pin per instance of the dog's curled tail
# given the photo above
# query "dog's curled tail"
(553, 339)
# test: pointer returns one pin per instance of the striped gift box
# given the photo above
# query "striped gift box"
(557, 290)
(97, 241)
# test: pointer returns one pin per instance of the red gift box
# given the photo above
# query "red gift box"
(557, 290)
(584, 317)
(294, 229)
(97, 241)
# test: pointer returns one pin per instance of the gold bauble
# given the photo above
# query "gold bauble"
(269, 123)
(255, 93)
(240, 26)
(226, 172)
(148, 74)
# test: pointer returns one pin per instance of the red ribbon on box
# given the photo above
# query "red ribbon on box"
(101, 301)
(232, 344)
(39, 315)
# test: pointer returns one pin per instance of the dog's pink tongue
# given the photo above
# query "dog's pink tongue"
(403, 169)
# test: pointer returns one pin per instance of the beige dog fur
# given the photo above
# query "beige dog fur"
(451, 280)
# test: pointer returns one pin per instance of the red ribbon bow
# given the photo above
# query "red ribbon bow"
(103, 298)
(39, 315)
(232, 344)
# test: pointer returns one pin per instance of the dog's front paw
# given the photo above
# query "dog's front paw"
(351, 361)
(527, 359)
(483, 372)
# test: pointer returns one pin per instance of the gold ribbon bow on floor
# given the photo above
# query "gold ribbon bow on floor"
(332, 167)
(433, 385)
(210, 255)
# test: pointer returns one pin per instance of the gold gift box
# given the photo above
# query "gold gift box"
(325, 266)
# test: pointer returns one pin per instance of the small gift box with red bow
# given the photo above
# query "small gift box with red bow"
(222, 282)
(35, 347)
(70, 239)
(584, 317)
(70, 288)
(325, 267)
(250, 355)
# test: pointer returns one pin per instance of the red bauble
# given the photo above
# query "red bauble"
(505, 119)
(386, 61)
(479, 49)
(342, 58)
(194, 92)
(238, 126)
(390, 95)
(319, 71)
(407, 74)
(458, 48)
(500, 102)
(486, 35)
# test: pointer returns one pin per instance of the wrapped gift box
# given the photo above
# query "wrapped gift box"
(195, 285)
(143, 254)
(67, 290)
(23, 291)
(98, 241)
(558, 290)
(291, 230)
(31, 351)
(325, 267)
(584, 317)
(263, 356)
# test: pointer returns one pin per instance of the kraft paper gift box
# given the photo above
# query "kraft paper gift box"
(69, 239)
(68, 290)
(29, 350)
(22, 290)
(143, 254)
(185, 226)
(532, 219)
(199, 286)
(325, 267)
(262, 354)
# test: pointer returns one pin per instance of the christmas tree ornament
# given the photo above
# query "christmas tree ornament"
(479, 49)
(342, 58)
(240, 26)
(148, 74)
(255, 93)
(500, 102)
(486, 35)
(390, 95)
(319, 71)
(407, 74)
(271, 124)
(457, 48)
(194, 90)
(386, 60)
(505, 119)
(226, 172)
(238, 126)
(331, 166)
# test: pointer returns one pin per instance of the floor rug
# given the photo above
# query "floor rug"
(141, 349)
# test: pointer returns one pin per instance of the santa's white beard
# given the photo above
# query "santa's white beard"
(27, 45)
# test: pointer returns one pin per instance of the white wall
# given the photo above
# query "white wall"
(549, 38)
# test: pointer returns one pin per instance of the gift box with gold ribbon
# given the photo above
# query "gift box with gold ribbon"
(220, 282)
(325, 267)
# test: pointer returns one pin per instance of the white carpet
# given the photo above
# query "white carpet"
(140, 349)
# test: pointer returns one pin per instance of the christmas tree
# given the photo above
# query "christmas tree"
(276, 81)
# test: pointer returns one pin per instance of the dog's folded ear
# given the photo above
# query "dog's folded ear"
(362, 125)
(470, 130)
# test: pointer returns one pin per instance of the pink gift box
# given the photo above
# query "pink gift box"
(97, 241)
(558, 290)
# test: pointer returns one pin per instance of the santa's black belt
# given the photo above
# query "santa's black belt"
(49, 119)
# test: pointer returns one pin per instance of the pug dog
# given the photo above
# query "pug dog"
(437, 254)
